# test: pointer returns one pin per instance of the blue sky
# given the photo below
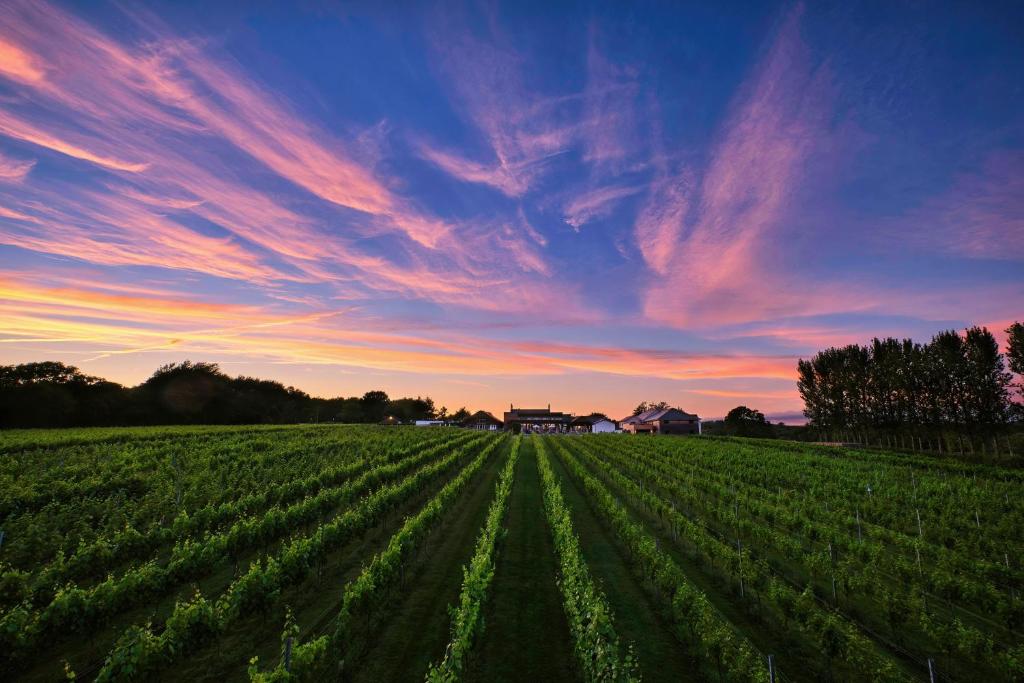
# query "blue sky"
(588, 205)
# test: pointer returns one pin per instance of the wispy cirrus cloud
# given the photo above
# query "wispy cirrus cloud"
(733, 218)
(661, 220)
(981, 214)
(188, 140)
(522, 128)
(610, 120)
(14, 170)
(16, 63)
(597, 203)
(89, 320)
(19, 129)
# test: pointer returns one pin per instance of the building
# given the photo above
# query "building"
(595, 423)
(537, 420)
(483, 420)
(662, 421)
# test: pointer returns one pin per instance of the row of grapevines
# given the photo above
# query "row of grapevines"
(467, 618)
(105, 553)
(890, 496)
(708, 631)
(595, 641)
(822, 549)
(75, 609)
(829, 631)
(140, 650)
(900, 598)
(799, 508)
(171, 477)
(365, 594)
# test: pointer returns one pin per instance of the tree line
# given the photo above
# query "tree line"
(52, 394)
(953, 393)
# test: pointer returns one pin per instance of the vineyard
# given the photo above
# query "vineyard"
(365, 553)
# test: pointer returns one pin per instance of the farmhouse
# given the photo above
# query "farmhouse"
(483, 420)
(662, 421)
(595, 423)
(537, 419)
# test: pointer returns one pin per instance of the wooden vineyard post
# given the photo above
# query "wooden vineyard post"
(771, 669)
(859, 536)
(832, 565)
(739, 552)
(920, 529)
(288, 654)
(931, 670)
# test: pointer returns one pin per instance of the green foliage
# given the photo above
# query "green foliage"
(590, 616)
(955, 383)
(51, 394)
(467, 621)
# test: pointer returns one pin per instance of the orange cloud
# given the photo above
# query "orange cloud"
(14, 127)
(17, 64)
(14, 170)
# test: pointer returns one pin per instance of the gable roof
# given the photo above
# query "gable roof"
(656, 414)
(592, 419)
(482, 416)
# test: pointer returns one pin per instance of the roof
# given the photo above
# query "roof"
(592, 419)
(481, 416)
(531, 411)
(657, 414)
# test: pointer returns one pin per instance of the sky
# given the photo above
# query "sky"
(586, 205)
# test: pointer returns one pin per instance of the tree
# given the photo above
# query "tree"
(375, 405)
(51, 394)
(956, 385)
(1015, 359)
(460, 415)
(645, 406)
(987, 389)
(744, 421)
(1015, 348)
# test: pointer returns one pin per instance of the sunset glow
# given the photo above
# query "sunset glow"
(495, 204)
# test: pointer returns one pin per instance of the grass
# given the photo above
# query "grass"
(526, 635)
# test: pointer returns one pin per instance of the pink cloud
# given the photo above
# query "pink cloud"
(17, 64)
(980, 216)
(16, 128)
(173, 125)
(721, 260)
(594, 204)
(660, 223)
(14, 170)
(522, 127)
(609, 130)
(512, 181)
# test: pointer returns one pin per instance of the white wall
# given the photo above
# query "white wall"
(604, 427)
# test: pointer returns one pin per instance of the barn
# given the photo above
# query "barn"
(595, 423)
(662, 421)
(483, 420)
(542, 420)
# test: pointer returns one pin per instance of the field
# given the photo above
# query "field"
(393, 553)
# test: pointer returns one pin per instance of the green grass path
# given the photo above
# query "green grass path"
(526, 636)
